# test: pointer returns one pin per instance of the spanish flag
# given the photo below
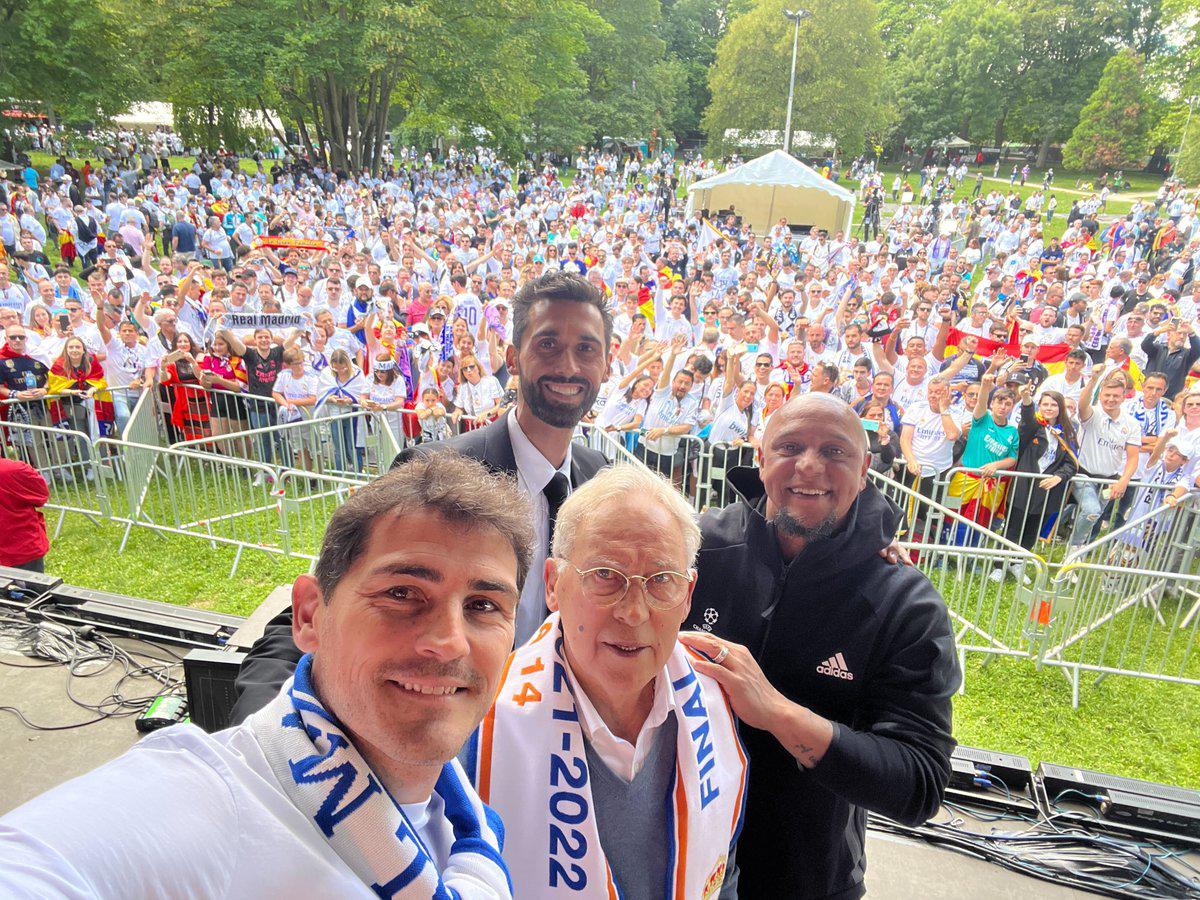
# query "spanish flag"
(987, 346)
(60, 380)
(1164, 235)
(1053, 357)
(646, 305)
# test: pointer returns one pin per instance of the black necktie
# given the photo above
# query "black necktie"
(556, 492)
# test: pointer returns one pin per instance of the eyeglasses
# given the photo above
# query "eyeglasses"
(605, 586)
(762, 365)
(469, 368)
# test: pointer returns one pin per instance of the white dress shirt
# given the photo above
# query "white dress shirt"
(534, 472)
(623, 759)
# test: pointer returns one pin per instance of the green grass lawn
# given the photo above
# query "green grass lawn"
(174, 569)
(1127, 726)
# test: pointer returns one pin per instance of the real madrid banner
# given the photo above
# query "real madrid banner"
(273, 321)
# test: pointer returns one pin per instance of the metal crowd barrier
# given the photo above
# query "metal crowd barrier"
(991, 503)
(610, 444)
(963, 560)
(1129, 602)
(180, 491)
(352, 444)
(306, 502)
(145, 421)
(69, 462)
(684, 467)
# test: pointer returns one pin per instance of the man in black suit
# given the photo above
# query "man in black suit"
(561, 334)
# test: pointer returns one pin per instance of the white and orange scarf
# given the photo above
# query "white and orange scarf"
(531, 768)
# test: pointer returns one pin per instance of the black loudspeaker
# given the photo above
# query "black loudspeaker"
(209, 676)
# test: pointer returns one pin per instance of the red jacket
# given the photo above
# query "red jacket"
(22, 491)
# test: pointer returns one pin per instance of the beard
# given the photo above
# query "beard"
(558, 415)
(790, 525)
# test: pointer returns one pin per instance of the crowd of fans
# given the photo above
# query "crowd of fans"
(251, 295)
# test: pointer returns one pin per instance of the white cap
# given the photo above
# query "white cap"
(1183, 448)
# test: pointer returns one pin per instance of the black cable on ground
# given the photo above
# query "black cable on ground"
(85, 652)
(1070, 853)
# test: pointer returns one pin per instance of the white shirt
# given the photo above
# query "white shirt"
(1102, 442)
(622, 758)
(476, 399)
(907, 394)
(534, 472)
(932, 449)
(123, 364)
(1058, 382)
(209, 804)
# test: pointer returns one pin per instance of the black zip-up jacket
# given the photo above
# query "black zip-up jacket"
(864, 643)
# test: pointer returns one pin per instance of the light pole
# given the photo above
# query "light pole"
(795, 16)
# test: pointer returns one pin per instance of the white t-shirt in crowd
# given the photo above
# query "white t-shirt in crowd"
(732, 423)
(1102, 442)
(905, 394)
(292, 388)
(476, 399)
(123, 364)
(1058, 382)
(933, 450)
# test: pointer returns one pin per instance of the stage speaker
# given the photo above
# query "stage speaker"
(209, 676)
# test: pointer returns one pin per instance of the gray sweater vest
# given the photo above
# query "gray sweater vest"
(632, 818)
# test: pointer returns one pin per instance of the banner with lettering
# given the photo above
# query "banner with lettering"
(273, 321)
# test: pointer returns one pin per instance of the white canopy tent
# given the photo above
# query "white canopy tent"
(146, 115)
(953, 142)
(153, 115)
(773, 187)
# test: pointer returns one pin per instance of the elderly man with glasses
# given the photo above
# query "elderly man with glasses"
(615, 766)
(22, 383)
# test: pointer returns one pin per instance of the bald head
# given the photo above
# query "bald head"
(814, 464)
(803, 406)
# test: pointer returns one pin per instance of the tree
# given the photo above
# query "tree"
(631, 83)
(1135, 25)
(839, 71)
(691, 29)
(1063, 50)
(74, 56)
(1114, 126)
(344, 74)
(1187, 166)
(898, 19)
(954, 74)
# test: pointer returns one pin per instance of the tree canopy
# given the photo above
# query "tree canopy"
(74, 56)
(839, 71)
(555, 74)
(1114, 125)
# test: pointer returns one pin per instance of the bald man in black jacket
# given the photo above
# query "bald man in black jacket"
(840, 664)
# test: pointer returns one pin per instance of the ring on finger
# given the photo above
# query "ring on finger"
(721, 654)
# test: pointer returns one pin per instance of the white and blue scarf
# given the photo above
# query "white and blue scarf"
(327, 779)
(1151, 420)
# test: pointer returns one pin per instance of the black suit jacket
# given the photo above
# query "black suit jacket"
(273, 658)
